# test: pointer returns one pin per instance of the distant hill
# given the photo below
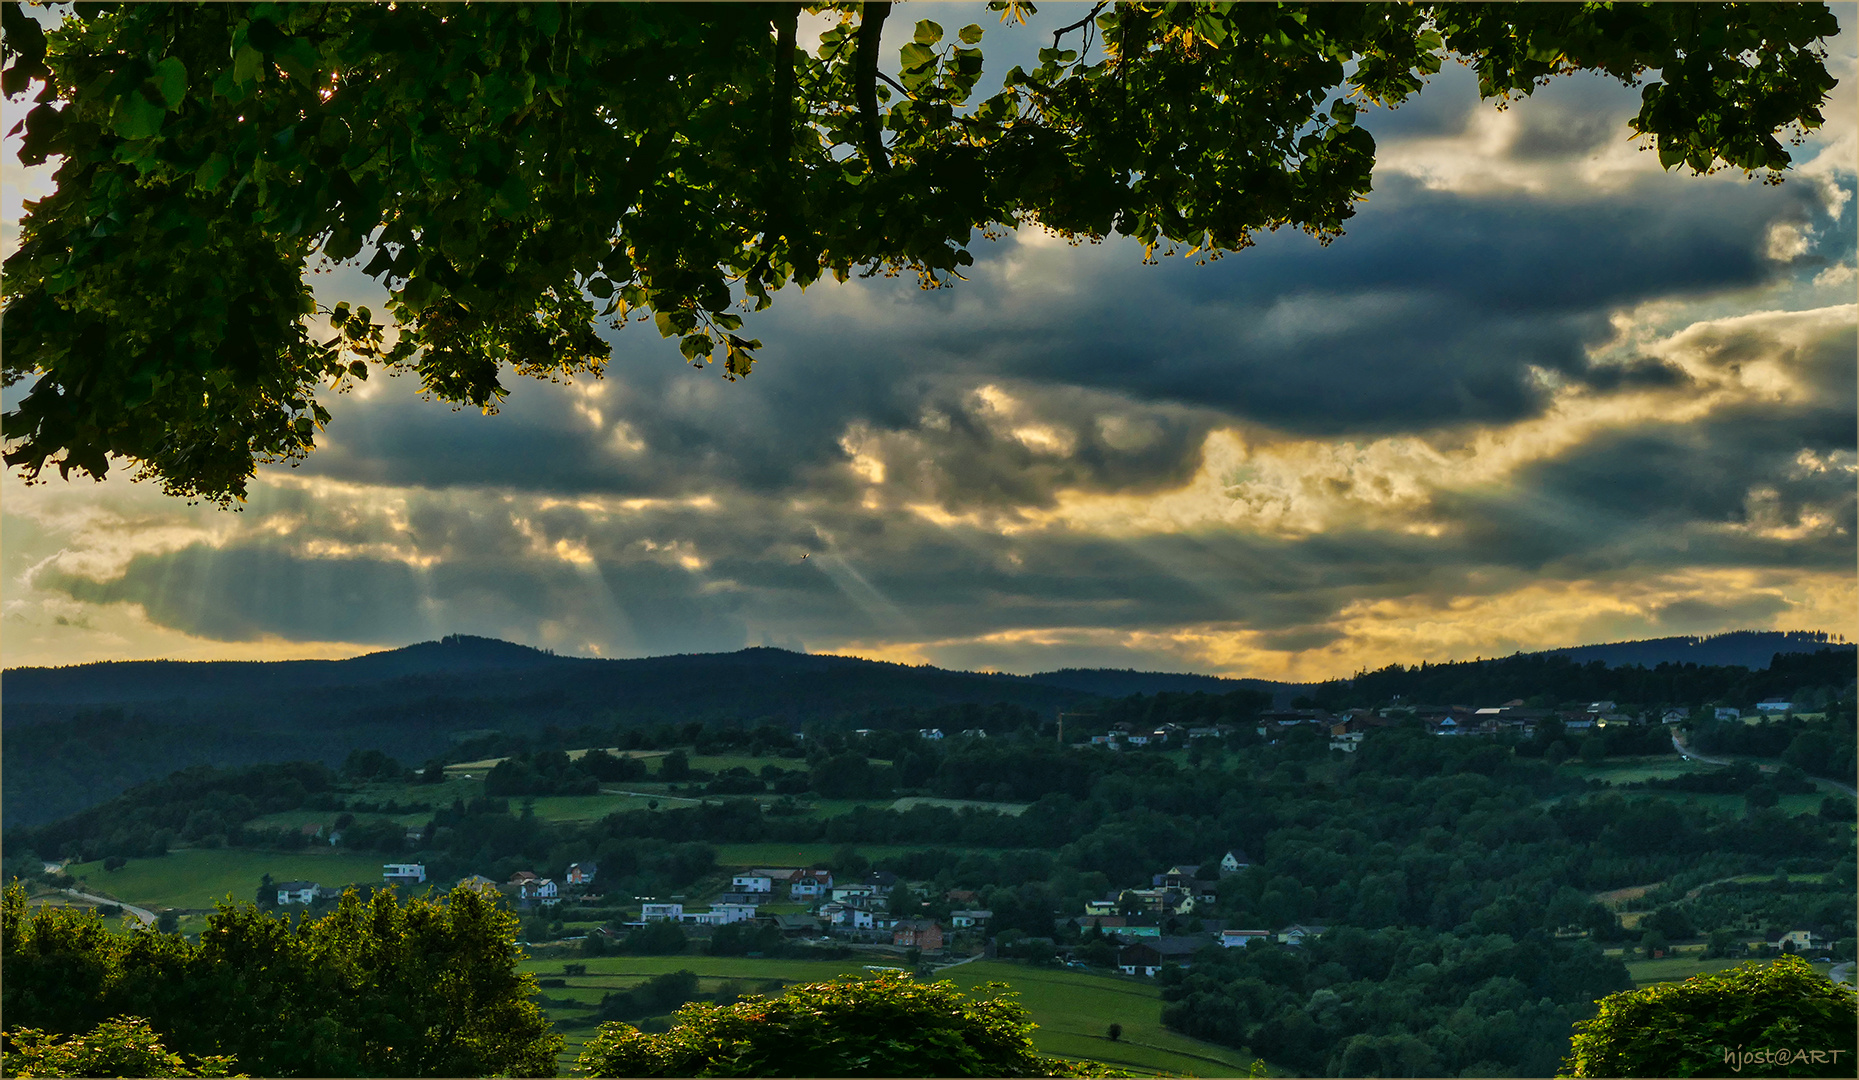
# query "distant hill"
(1115, 682)
(1753, 649)
(79, 735)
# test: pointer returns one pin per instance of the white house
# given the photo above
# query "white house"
(1723, 713)
(854, 891)
(752, 883)
(661, 913)
(929, 733)
(1675, 716)
(403, 873)
(541, 890)
(811, 885)
(974, 733)
(1239, 939)
(720, 914)
(1774, 705)
(1234, 861)
(1100, 907)
(1296, 933)
(296, 892)
(969, 918)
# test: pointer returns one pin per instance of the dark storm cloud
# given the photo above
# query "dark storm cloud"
(908, 443)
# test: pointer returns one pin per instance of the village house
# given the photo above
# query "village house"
(795, 926)
(929, 733)
(754, 882)
(1297, 932)
(1100, 907)
(811, 885)
(1722, 712)
(1178, 877)
(1239, 939)
(297, 892)
(967, 918)
(1234, 861)
(539, 891)
(1774, 706)
(478, 883)
(581, 873)
(400, 873)
(1801, 941)
(661, 913)
(521, 876)
(923, 934)
(1147, 957)
(721, 915)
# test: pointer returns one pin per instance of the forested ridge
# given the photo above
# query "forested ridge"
(77, 736)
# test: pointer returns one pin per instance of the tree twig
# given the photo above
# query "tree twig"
(1081, 23)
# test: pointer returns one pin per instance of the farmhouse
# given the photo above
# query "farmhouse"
(1147, 957)
(923, 934)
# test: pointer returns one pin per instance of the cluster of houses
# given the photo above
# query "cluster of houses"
(1143, 948)
(848, 909)
(309, 892)
(1345, 730)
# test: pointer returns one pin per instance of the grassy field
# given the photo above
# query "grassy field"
(199, 878)
(1674, 968)
(1630, 770)
(583, 807)
(719, 763)
(1072, 1008)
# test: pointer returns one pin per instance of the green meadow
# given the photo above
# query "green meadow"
(201, 877)
(1073, 1009)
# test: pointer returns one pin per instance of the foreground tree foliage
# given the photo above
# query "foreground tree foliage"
(887, 1026)
(1776, 1019)
(123, 1047)
(379, 988)
(518, 173)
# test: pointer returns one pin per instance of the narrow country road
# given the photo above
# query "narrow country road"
(145, 916)
(1689, 754)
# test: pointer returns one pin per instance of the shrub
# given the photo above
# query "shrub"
(1752, 1020)
(124, 1046)
(888, 1026)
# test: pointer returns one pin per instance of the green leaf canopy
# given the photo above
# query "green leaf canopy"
(522, 173)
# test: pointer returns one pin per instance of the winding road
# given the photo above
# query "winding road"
(143, 915)
(1689, 754)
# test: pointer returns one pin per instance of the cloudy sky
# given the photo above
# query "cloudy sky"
(1540, 394)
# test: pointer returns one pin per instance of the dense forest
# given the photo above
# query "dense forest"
(1809, 679)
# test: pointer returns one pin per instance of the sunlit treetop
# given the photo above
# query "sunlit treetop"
(516, 175)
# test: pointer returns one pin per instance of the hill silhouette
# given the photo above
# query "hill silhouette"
(79, 735)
